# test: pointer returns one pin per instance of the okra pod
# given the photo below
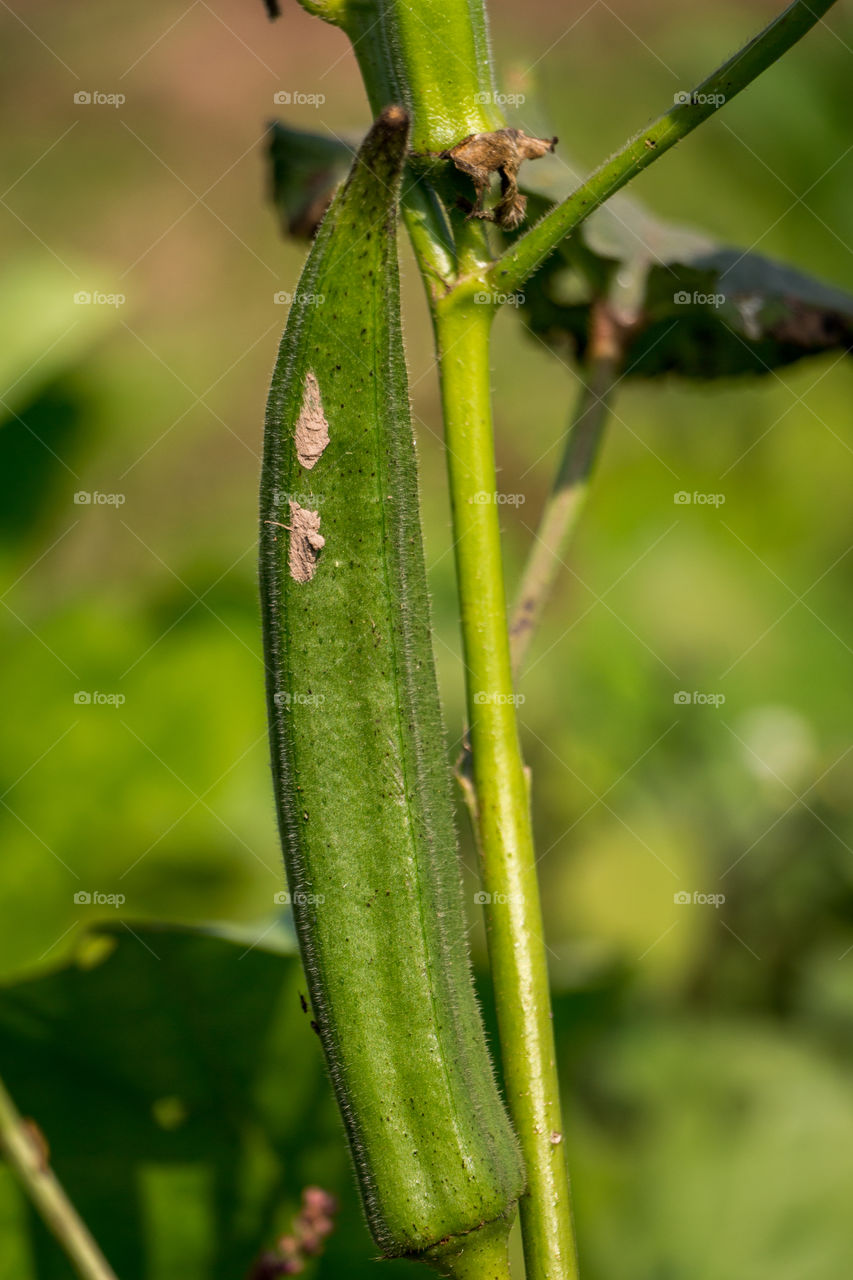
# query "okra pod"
(358, 750)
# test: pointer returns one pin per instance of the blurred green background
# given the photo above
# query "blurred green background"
(706, 1050)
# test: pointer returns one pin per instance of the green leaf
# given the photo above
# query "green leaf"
(305, 169)
(180, 1087)
(694, 307)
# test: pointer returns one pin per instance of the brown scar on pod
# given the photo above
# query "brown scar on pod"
(312, 429)
(306, 541)
(311, 438)
(503, 152)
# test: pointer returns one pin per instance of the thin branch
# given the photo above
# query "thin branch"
(26, 1154)
(691, 109)
(565, 502)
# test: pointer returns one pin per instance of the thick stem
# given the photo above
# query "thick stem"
(27, 1157)
(571, 483)
(530, 251)
(513, 911)
(431, 57)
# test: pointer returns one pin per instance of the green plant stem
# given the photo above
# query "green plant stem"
(513, 915)
(482, 1255)
(531, 249)
(430, 235)
(22, 1150)
(571, 484)
(431, 57)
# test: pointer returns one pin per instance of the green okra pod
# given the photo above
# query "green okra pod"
(361, 779)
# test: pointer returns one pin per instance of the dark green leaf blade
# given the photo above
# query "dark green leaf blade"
(180, 1088)
(695, 308)
(304, 168)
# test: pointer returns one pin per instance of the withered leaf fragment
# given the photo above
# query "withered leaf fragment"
(482, 154)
